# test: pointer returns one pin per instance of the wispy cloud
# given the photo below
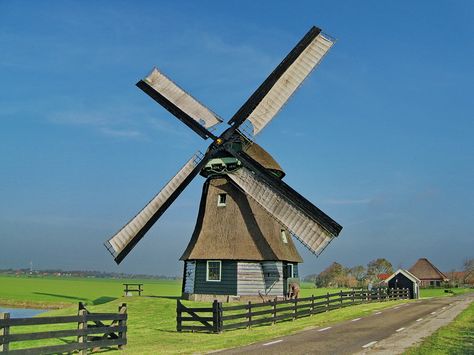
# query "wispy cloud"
(109, 122)
(361, 201)
(126, 133)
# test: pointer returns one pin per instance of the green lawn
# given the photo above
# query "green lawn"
(152, 327)
(152, 319)
(440, 292)
(58, 292)
(455, 338)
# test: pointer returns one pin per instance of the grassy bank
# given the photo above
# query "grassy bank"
(455, 338)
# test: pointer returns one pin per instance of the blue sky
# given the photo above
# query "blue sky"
(379, 137)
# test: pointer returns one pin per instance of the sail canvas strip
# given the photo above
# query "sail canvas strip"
(184, 101)
(310, 233)
(289, 82)
(157, 205)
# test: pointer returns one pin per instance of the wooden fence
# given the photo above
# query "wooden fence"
(218, 318)
(91, 332)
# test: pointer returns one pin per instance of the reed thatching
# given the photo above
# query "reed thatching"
(242, 230)
(264, 158)
(425, 270)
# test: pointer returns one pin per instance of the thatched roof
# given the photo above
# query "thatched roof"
(425, 270)
(242, 230)
(264, 158)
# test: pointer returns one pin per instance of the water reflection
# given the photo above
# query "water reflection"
(21, 312)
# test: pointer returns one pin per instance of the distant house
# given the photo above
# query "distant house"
(461, 278)
(405, 279)
(383, 277)
(427, 273)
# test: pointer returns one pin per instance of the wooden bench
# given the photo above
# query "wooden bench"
(133, 288)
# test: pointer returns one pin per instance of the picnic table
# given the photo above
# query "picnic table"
(129, 288)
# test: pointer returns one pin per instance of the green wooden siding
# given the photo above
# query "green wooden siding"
(227, 285)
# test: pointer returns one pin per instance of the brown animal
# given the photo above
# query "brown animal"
(293, 290)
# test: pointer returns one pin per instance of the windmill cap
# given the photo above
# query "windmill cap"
(264, 158)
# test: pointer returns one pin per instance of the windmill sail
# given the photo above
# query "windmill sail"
(275, 91)
(177, 101)
(124, 241)
(289, 82)
(311, 233)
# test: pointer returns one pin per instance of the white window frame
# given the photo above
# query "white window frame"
(219, 203)
(292, 267)
(284, 237)
(207, 270)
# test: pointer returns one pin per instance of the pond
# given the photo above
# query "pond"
(22, 312)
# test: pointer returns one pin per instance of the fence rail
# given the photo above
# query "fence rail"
(95, 335)
(219, 318)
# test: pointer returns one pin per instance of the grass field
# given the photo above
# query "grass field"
(152, 327)
(152, 319)
(440, 292)
(59, 292)
(455, 338)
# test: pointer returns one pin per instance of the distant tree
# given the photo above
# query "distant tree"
(377, 267)
(359, 273)
(468, 268)
(332, 276)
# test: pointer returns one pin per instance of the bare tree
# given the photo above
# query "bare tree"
(468, 268)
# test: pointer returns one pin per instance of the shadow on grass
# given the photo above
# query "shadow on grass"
(102, 300)
(166, 297)
(60, 296)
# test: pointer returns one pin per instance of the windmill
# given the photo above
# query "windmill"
(242, 244)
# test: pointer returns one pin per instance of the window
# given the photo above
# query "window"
(221, 200)
(213, 272)
(290, 270)
(284, 238)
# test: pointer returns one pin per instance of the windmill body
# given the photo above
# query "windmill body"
(242, 245)
(237, 248)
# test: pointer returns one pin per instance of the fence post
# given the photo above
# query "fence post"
(178, 316)
(340, 299)
(221, 320)
(312, 306)
(353, 296)
(123, 323)
(327, 301)
(295, 309)
(5, 331)
(82, 325)
(249, 314)
(215, 316)
(274, 310)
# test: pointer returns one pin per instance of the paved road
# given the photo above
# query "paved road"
(358, 334)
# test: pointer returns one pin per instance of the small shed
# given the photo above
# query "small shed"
(404, 279)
